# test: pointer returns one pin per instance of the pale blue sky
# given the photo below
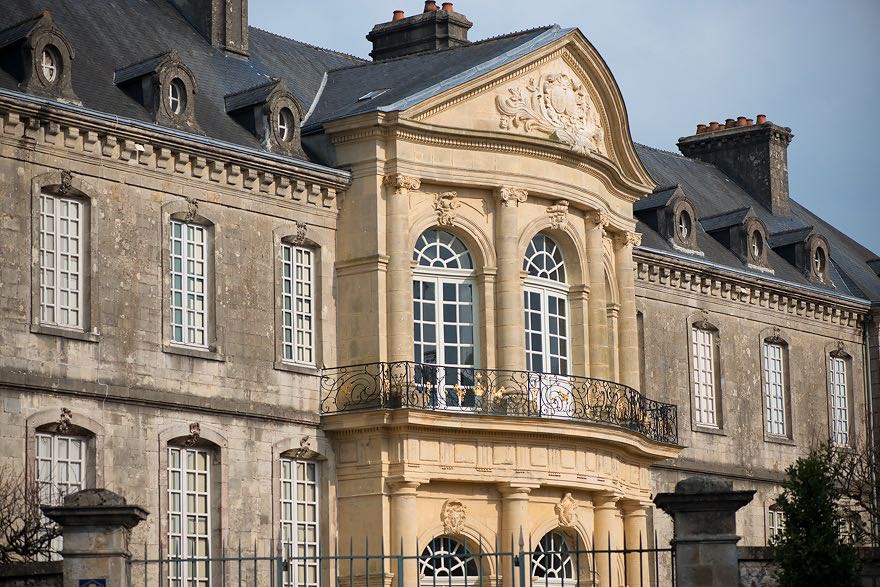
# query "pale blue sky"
(811, 65)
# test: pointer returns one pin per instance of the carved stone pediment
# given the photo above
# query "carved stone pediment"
(556, 104)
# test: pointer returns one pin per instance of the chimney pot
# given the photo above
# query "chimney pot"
(729, 123)
(749, 122)
(701, 128)
(448, 7)
(398, 15)
(741, 121)
(431, 6)
(713, 126)
(762, 118)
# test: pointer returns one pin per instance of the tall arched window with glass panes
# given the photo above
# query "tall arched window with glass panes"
(545, 300)
(444, 319)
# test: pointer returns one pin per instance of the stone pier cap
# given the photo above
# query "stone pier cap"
(96, 507)
(707, 506)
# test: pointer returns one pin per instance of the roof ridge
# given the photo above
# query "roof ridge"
(659, 150)
(459, 47)
(325, 49)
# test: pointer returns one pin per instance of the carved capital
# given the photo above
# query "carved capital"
(511, 196)
(558, 214)
(445, 205)
(599, 218)
(401, 182)
(629, 239)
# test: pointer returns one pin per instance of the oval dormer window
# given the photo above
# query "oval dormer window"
(176, 96)
(285, 124)
(685, 225)
(819, 261)
(757, 244)
(50, 63)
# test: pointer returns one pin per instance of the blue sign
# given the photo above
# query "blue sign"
(93, 583)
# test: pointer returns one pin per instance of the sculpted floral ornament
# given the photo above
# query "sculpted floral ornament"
(64, 421)
(453, 515)
(445, 204)
(566, 511)
(300, 237)
(556, 104)
(558, 214)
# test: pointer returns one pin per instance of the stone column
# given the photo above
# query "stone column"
(95, 525)
(514, 523)
(635, 532)
(628, 333)
(598, 319)
(508, 286)
(404, 530)
(607, 535)
(703, 511)
(399, 277)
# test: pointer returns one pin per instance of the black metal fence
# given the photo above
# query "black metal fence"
(497, 392)
(440, 565)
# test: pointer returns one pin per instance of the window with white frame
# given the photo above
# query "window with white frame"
(446, 561)
(839, 401)
(299, 522)
(189, 283)
(297, 304)
(552, 563)
(189, 516)
(61, 469)
(445, 316)
(704, 366)
(545, 302)
(62, 240)
(774, 389)
(775, 521)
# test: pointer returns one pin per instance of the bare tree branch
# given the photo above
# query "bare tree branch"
(25, 534)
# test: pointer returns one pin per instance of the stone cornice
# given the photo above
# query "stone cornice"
(32, 126)
(680, 275)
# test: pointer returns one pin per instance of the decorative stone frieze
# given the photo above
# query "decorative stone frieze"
(508, 197)
(558, 214)
(445, 205)
(556, 104)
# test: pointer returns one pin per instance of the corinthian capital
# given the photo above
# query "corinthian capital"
(511, 196)
(629, 239)
(600, 218)
(400, 182)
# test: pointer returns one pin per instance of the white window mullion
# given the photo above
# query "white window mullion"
(774, 389)
(839, 401)
(189, 519)
(61, 262)
(297, 282)
(189, 278)
(300, 536)
(704, 377)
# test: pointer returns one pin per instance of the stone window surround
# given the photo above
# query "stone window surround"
(700, 321)
(46, 34)
(65, 184)
(319, 243)
(217, 446)
(48, 421)
(190, 212)
(776, 337)
(839, 351)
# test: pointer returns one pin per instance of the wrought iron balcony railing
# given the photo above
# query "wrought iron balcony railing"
(470, 390)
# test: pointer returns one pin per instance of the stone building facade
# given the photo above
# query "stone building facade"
(296, 297)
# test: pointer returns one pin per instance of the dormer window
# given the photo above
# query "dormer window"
(671, 213)
(806, 250)
(176, 96)
(743, 233)
(272, 114)
(819, 261)
(50, 62)
(685, 225)
(757, 245)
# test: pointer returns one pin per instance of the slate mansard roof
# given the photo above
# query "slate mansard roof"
(330, 85)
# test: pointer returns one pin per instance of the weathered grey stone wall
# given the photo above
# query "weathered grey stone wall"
(31, 575)
(740, 450)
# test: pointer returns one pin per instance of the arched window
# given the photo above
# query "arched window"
(551, 562)
(545, 300)
(444, 317)
(446, 561)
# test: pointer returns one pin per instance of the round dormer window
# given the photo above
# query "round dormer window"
(176, 96)
(50, 63)
(685, 226)
(819, 261)
(757, 245)
(286, 123)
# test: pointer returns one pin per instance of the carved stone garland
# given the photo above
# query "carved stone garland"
(559, 105)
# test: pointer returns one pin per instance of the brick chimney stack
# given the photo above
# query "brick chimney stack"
(432, 29)
(755, 156)
(222, 22)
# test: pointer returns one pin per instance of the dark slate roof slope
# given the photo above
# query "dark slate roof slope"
(110, 38)
(717, 199)
(421, 75)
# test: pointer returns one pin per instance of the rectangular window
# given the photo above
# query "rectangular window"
(839, 401)
(297, 298)
(775, 521)
(703, 358)
(299, 522)
(189, 277)
(61, 466)
(189, 520)
(774, 389)
(61, 262)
